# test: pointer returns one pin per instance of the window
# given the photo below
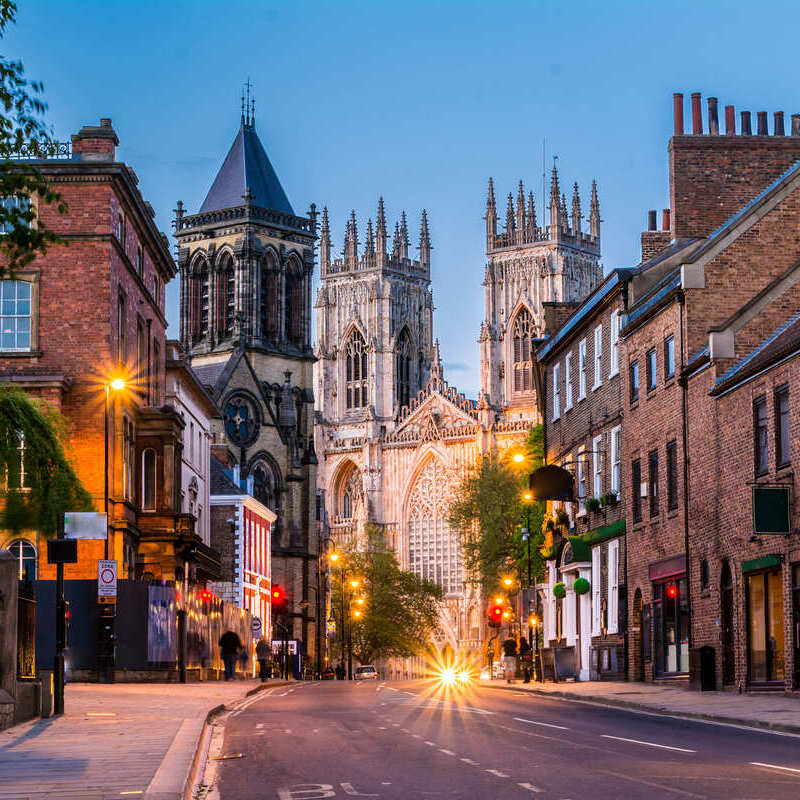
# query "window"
(556, 391)
(783, 445)
(270, 323)
(121, 229)
(402, 367)
(636, 489)
(705, 578)
(356, 371)
(568, 382)
(672, 475)
(596, 578)
(613, 586)
(671, 626)
(650, 362)
(597, 461)
(122, 345)
(582, 488)
(669, 357)
(25, 555)
(523, 333)
(229, 278)
(765, 623)
(128, 458)
(582, 369)
(598, 356)
(616, 456)
(149, 480)
(156, 291)
(139, 261)
(203, 300)
(14, 208)
(17, 477)
(633, 371)
(191, 442)
(141, 354)
(613, 351)
(156, 374)
(15, 315)
(652, 474)
(760, 435)
(293, 306)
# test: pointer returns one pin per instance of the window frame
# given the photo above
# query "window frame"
(613, 351)
(651, 370)
(556, 391)
(356, 372)
(568, 381)
(634, 385)
(783, 449)
(598, 357)
(652, 482)
(760, 448)
(636, 490)
(596, 589)
(613, 586)
(580, 480)
(669, 357)
(149, 504)
(597, 466)
(582, 369)
(15, 316)
(616, 459)
(672, 475)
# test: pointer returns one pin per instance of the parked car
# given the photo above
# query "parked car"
(329, 674)
(366, 673)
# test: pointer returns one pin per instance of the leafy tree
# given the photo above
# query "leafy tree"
(22, 130)
(400, 610)
(38, 482)
(489, 512)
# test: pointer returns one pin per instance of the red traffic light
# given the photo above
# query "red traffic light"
(280, 602)
(495, 615)
(277, 594)
(206, 596)
(672, 590)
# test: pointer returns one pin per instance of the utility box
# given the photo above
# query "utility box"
(703, 669)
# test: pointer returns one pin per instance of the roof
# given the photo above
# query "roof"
(669, 283)
(246, 167)
(220, 482)
(782, 343)
(208, 374)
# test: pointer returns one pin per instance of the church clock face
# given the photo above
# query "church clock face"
(241, 419)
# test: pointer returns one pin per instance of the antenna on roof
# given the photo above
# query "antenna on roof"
(248, 106)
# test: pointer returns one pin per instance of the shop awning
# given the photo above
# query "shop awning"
(552, 482)
(605, 532)
(765, 562)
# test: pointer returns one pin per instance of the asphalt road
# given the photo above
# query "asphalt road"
(413, 739)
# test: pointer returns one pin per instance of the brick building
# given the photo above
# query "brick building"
(91, 309)
(580, 368)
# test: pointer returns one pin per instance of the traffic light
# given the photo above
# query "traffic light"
(495, 615)
(280, 602)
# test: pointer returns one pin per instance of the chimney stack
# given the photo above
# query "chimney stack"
(713, 119)
(778, 128)
(795, 124)
(677, 107)
(762, 123)
(697, 114)
(730, 121)
(746, 129)
(651, 221)
(665, 220)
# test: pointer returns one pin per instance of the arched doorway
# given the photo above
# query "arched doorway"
(726, 620)
(637, 673)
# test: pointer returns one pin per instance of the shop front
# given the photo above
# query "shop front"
(766, 641)
(670, 616)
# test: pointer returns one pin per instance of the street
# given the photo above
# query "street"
(415, 739)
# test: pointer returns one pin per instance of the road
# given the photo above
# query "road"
(414, 739)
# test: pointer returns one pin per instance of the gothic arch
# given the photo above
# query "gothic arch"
(404, 359)
(347, 490)
(268, 483)
(355, 369)
(222, 255)
(521, 331)
(269, 300)
(199, 296)
(294, 304)
(225, 293)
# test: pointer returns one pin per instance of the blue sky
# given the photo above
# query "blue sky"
(418, 101)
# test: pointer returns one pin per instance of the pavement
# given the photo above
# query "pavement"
(114, 741)
(779, 712)
(415, 740)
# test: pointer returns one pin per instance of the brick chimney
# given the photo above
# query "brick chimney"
(96, 143)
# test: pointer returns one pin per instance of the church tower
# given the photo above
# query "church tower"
(531, 264)
(246, 261)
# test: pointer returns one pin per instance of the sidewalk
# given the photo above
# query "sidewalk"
(780, 712)
(115, 740)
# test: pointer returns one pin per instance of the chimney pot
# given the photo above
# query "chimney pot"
(762, 123)
(778, 128)
(651, 221)
(665, 220)
(697, 114)
(677, 107)
(746, 128)
(713, 118)
(795, 124)
(105, 122)
(730, 121)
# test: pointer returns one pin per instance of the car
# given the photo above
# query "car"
(366, 673)
(329, 674)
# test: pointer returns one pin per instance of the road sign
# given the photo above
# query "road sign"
(255, 626)
(85, 525)
(62, 551)
(107, 581)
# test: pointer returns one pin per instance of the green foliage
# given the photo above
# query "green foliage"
(38, 483)
(609, 500)
(593, 505)
(22, 128)
(559, 590)
(581, 586)
(489, 513)
(400, 612)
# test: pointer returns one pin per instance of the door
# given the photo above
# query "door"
(726, 614)
(766, 651)
(796, 621)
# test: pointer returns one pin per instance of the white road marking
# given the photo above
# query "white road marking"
(649, 744)
(497, 773)
(396, 724)
(381, 728)
(446, 752)
(416, 735)
(471, 762)
(392, 689)
(411, 693)
(530, 787)
(259, 725)
(775, 766)
(543, 724)
(430, 744)
(348, 789)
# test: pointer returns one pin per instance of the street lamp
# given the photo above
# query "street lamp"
(116, 384)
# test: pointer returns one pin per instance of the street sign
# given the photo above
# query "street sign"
(62, 551)
(85, 525)
(107, 581)
(255, 626)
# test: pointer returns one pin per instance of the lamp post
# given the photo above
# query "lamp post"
(118, 385)
(354, 584)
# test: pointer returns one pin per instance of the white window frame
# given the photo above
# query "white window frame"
(596, 596)
(568, 382)
(616, 459)
(597, 464)
(613, 585)
(614, 344)
(580, 477)
(598, 357)
(556, 391)
(582, 369)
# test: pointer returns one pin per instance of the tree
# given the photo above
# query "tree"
(22, 131)
(489, 512)
(400, 610)
(38, 482)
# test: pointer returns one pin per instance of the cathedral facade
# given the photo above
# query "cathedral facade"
(393, 438)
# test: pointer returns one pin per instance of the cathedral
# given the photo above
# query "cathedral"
(392, 436)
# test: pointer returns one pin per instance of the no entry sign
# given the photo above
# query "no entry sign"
(107, 581)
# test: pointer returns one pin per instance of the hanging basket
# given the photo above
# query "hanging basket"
(581, 586)
(559, 590)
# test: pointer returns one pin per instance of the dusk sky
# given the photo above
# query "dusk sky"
(418, 101)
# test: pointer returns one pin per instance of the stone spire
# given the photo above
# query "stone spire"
(351, 242)
(403, 235)
(396, 242)
(380, 233)
(555, 211)
(424, 241)
(491, 217)
(436, 363)
(521, 221)
(511, 224)
(576, 211)
(369, 245)
(594, 213)
(325, 241)
(531, 213)
(564, 219)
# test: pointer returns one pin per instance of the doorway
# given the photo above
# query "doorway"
(726, 614)
(766, 645)
(796, 621)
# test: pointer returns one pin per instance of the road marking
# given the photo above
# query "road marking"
(259, 725)
(446, 752)
(381, 728)
(348, 789)
(497, 773)
(543, 724)
(470, 762)
(137, 791)
(405, 730)
(775, 766)
(416, 735)
(648, 744)
(430, 744)
(395, 724)
(411, 693)
(392, 689)
(521, 694)
(530, 787)
(101, 713)
(625, 777)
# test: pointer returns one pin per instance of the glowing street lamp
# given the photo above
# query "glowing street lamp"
(355, 583)
(508, 582)
(333, 557)
(117, 384)
(518, 458)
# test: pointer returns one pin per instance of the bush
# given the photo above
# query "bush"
(609, 500)
(593, 505)
(559, 590)
(581, 586)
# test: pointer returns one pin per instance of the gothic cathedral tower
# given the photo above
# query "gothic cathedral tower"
(528, 266)
(246, 262)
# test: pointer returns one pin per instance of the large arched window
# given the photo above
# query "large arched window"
(294, 302)
(226, 297)
(347, 494)
(270, 320)
(25, 554)
(434, 551)
(15, 315)
(200, 301)
(523, 332)
(149, 480)
(356, 371)
(266, 483)
(402, 367)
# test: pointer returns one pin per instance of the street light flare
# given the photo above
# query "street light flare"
(117, 384)
(518, 458)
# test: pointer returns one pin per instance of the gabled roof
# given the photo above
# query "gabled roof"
(220, 482)
(247, 167)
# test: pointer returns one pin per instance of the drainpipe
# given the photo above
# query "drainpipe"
(684, 384)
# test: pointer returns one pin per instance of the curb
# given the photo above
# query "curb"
(603, 700)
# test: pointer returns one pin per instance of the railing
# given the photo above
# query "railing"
(245, 212)
(42, 150)
(26, 631)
